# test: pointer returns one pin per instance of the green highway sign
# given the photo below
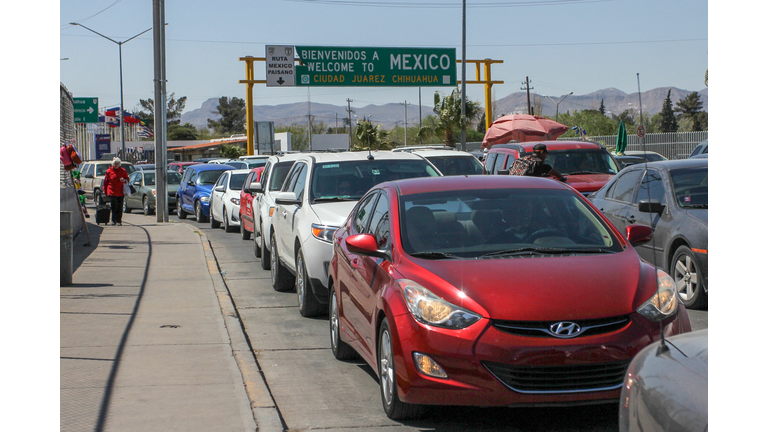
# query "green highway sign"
(375, 67)
(86, 110)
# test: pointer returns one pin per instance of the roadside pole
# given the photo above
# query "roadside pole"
(161, 153)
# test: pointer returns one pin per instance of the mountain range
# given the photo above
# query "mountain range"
(389, 115)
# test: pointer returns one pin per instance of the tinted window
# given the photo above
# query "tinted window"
(149, 179)
(221, 180)
(489, 160)
(364, 213)
(299, 181)
(691, 187)
(379, 225)
(257, 163)
(128, 168)
(101, 169)
(652, 187)
(622, 189)
(279, 172)
(576, 161)
(457, 165)
(208, 177)
(237, 180)
(499, 165)
(173, 177)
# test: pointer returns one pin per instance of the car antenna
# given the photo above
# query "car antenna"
(662, 343)
(370, 156)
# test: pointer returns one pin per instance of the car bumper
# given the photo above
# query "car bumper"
(317, 256)
(468, 357)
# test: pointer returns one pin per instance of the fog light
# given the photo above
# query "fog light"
(427, 366)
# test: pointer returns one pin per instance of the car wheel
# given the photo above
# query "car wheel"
(199, 216)
(266, 259)
(688, 280)
(341, 350)
(225, 216)
(180, 211)
(147, 210)
(308, 304)
(126, 209)
(214, 222)
(244, 233)
(282, 280)
(394, 409)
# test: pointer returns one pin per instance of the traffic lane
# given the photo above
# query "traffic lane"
(699, 319)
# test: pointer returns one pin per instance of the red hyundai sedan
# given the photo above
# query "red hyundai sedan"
(493, 291)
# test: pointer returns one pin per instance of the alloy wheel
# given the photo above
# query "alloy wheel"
(686, 277)
(386, 367)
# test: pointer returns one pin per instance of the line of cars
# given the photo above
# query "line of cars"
(476, 290)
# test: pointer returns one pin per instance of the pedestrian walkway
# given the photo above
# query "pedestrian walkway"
(143, 341)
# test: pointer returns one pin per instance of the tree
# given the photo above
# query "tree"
(185, 132)
(449, 121)
(602, 107)
(231, 151)
(173, 110)
(668, 119)
(299, 137)
(592, 121)
(690, 107)
(370, 136)
(232, 112)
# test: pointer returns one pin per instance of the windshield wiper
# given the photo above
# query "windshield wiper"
(545, 250)
(695, 205)
(432, 255)
(583, 172)
(334, 199)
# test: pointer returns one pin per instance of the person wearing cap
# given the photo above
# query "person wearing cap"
(541, 169)
(113, 186)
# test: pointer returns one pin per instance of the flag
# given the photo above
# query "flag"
(145, 132)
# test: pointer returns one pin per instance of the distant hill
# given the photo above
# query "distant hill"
(389, 115)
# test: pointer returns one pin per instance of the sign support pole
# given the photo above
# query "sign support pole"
(249, 82)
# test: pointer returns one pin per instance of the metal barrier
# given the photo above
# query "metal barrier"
(675, 145)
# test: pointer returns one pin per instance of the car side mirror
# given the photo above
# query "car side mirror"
(255, 187)
(137, 183)
(89, 176)
(221, 188)
(287, 198)
(503, 172)
(365, 244)
(639, 234)
(650, 206)
(190, 182)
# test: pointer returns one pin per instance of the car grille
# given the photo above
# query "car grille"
(542, 328)
(560, 379)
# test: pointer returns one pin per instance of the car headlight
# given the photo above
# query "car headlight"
(324, 233)
(235, 201)
(663, 303)
(427, 308)
(205, 199)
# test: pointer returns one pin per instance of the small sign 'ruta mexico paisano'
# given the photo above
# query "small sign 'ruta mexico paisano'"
(280, 66)
(377, 67)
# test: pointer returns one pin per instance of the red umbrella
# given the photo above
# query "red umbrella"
(522, 128)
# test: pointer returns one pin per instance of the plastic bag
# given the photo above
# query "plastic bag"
(127, 189)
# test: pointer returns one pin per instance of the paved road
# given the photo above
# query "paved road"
(312, 390)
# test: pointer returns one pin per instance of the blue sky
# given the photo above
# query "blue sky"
(561, 45)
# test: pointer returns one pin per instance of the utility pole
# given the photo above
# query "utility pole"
(420, 115)
(406, 121)
(349, 112)
(527, 89)
(309, 119)
(464, 75)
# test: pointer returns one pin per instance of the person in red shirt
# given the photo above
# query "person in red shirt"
(113, 186)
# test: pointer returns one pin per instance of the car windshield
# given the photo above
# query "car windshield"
(173, 177)
(691, 187)
(149, 179)
(256, 163)
(341, 181)
(236, 181)
(487, 223)
(128, 168)
(457, 165)
(279, 173)
(208, 177)
(580, 161)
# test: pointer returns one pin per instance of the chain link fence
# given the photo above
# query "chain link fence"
(67, 131)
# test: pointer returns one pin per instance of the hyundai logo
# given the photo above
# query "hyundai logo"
(565, 329)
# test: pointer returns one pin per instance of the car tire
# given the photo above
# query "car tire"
(199, 216)
(225, 216)
(147, 210)
(265, 254)
(309, 306)
(244, 233)
(393, 408)
(214, 223)
(341, 350)
(689, 284)
(126, 209)
(282, 279)
(180, 211)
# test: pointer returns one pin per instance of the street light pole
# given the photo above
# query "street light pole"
(557, 104)
(120, 51)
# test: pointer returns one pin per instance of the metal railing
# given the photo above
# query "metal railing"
(675, 145)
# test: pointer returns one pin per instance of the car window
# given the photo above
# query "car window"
(279, 173)
(499, 165)
(221, 180)
(101, 169)
(301, 181)
(489, 160)
(236, 181)
(691, 187)
(363, 213)
(575, 161)
(149, 179)
(173, 177)
(187, 175)
(256, 163)
(87, 169)
(652, 187)
(379, 225)
(457, 165)
(208, 177)
(625, 185)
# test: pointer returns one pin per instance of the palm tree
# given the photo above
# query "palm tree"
(231, 151)
(448, 111)
(371, 136)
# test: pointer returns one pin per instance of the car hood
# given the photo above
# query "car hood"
(333, 213)
(539, 288)
(172, 187)
(700, 214)
(204, 189)
(588, 182)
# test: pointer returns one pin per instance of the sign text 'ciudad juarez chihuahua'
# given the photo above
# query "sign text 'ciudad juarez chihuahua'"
(378, 67)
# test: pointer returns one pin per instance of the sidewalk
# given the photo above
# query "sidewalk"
(147, 338)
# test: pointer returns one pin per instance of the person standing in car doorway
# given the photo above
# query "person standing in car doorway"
(113, 187)
(533, 165)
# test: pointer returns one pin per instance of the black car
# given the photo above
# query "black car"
(672, 198)
(625, 161)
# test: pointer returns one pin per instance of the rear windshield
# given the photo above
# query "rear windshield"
(351, 180)
(457, 165)
(236, 181)
(208, 177)
(580, 161)
(691, 187)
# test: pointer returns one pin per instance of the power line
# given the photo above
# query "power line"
(447, 5)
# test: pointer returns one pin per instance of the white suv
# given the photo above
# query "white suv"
(449, 162)
(263, 204)
(317, 196)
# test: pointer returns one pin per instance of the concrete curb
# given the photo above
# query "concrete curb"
(264, 409)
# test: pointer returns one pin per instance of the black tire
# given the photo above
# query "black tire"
(147, 209)
(309, 306)
(340, 349)
(126, 209)
(199, 216)
(180, 211)
(393, 408)
(225, 216)
(265, 254)
(689, 282)
(214, 223)
(244, 233)
(282, 279)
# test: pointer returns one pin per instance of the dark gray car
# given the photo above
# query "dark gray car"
(672, 198)
(665, 388)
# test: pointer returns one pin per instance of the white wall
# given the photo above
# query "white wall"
(283, 141)
(330, 141)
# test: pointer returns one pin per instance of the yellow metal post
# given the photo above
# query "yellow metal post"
(249, 81)
(488, 84)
